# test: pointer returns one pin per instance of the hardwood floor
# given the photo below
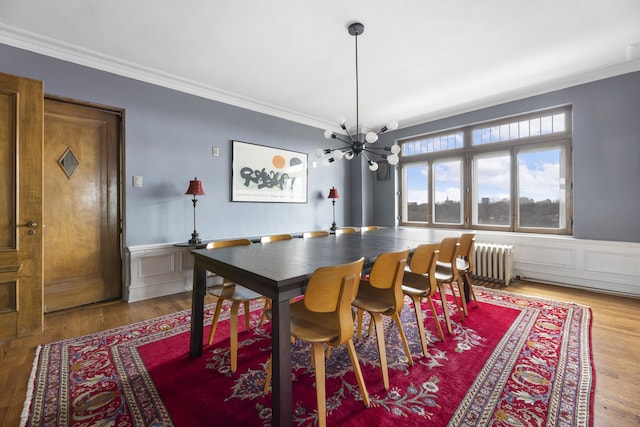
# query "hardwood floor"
(615, 332)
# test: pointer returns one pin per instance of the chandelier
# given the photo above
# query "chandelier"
(355, 145)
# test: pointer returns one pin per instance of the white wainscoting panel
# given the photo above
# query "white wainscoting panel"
(612, 267)
(157, 270)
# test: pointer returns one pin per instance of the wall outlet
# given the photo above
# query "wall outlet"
(137, 182)
(215, 151)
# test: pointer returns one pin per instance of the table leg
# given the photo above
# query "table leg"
(281, 397)
(197, 310)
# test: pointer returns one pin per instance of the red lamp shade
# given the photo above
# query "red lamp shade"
(195, 188)
(333, 193)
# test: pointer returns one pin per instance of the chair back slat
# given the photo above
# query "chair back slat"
(325, 287)
(275, 238)
(384, 271)
(467, 244)
(319, 233)
(422, 256)
(228, 243)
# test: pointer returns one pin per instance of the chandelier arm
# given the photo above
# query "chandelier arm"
(348, 143)
(366, 150)
(344, 128)
(370, 149)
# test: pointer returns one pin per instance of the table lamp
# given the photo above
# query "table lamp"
(333, 195)
(195, 189)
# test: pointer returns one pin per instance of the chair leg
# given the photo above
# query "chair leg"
(233, 332)
(370, 327)
(435, 317)
(467, 277)
(396, 318)
(382, 352)
(463, 297)
(455, 299)
(267, 306)
(420, 320)
(318, 357)
(359, 329)
(247, 315)
(356, 369)
(445, 308)
(214, 324)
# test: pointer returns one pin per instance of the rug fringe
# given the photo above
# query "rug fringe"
(30, 386)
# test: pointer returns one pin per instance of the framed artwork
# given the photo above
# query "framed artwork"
(267, 174)
(384, 171)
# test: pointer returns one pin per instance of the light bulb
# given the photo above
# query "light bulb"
(341, 120)
(337, 154)
(392, 125)
(326, 161)
(371, 137)
(319, 152)
(393, 159)
(395, 149)
(348, 155)
(373, 166)
(328, 134)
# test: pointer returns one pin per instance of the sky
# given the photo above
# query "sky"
(538, 177)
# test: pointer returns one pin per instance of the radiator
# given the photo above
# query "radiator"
(493, 262)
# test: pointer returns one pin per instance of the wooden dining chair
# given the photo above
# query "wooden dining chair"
(369, 228)
(275, 238)
(311, 234)
(447, 273)
(270, 239)
(465, 264)
(324, 316)
(237, 294)
(419, 282)
(381, 295)
(346, 230)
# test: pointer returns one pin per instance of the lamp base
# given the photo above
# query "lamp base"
(195, 239)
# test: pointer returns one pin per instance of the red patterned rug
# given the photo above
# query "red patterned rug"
(515, 361)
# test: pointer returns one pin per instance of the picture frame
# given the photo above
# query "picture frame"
(267, 174)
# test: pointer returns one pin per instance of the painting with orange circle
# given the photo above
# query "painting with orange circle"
(268, 174)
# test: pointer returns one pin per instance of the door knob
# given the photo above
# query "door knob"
(32, 224)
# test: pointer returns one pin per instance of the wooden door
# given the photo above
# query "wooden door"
(21, 112)
(82, 263)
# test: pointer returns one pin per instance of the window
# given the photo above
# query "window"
(541, 188)
(510, 174)
(416, 191)
(447, 183)
(492, 192)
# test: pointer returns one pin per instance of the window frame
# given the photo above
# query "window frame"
(467, 154)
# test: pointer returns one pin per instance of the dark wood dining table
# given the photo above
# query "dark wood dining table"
(280, 271)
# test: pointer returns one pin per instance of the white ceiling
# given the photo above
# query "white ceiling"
(418, 59)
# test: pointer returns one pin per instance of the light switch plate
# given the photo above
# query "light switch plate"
(137, 181)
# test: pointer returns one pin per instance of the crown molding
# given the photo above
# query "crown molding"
(68, 52)
(527, 92)
(36, 43)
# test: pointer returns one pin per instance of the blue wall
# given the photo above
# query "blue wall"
(169, 136)
(606, 154)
